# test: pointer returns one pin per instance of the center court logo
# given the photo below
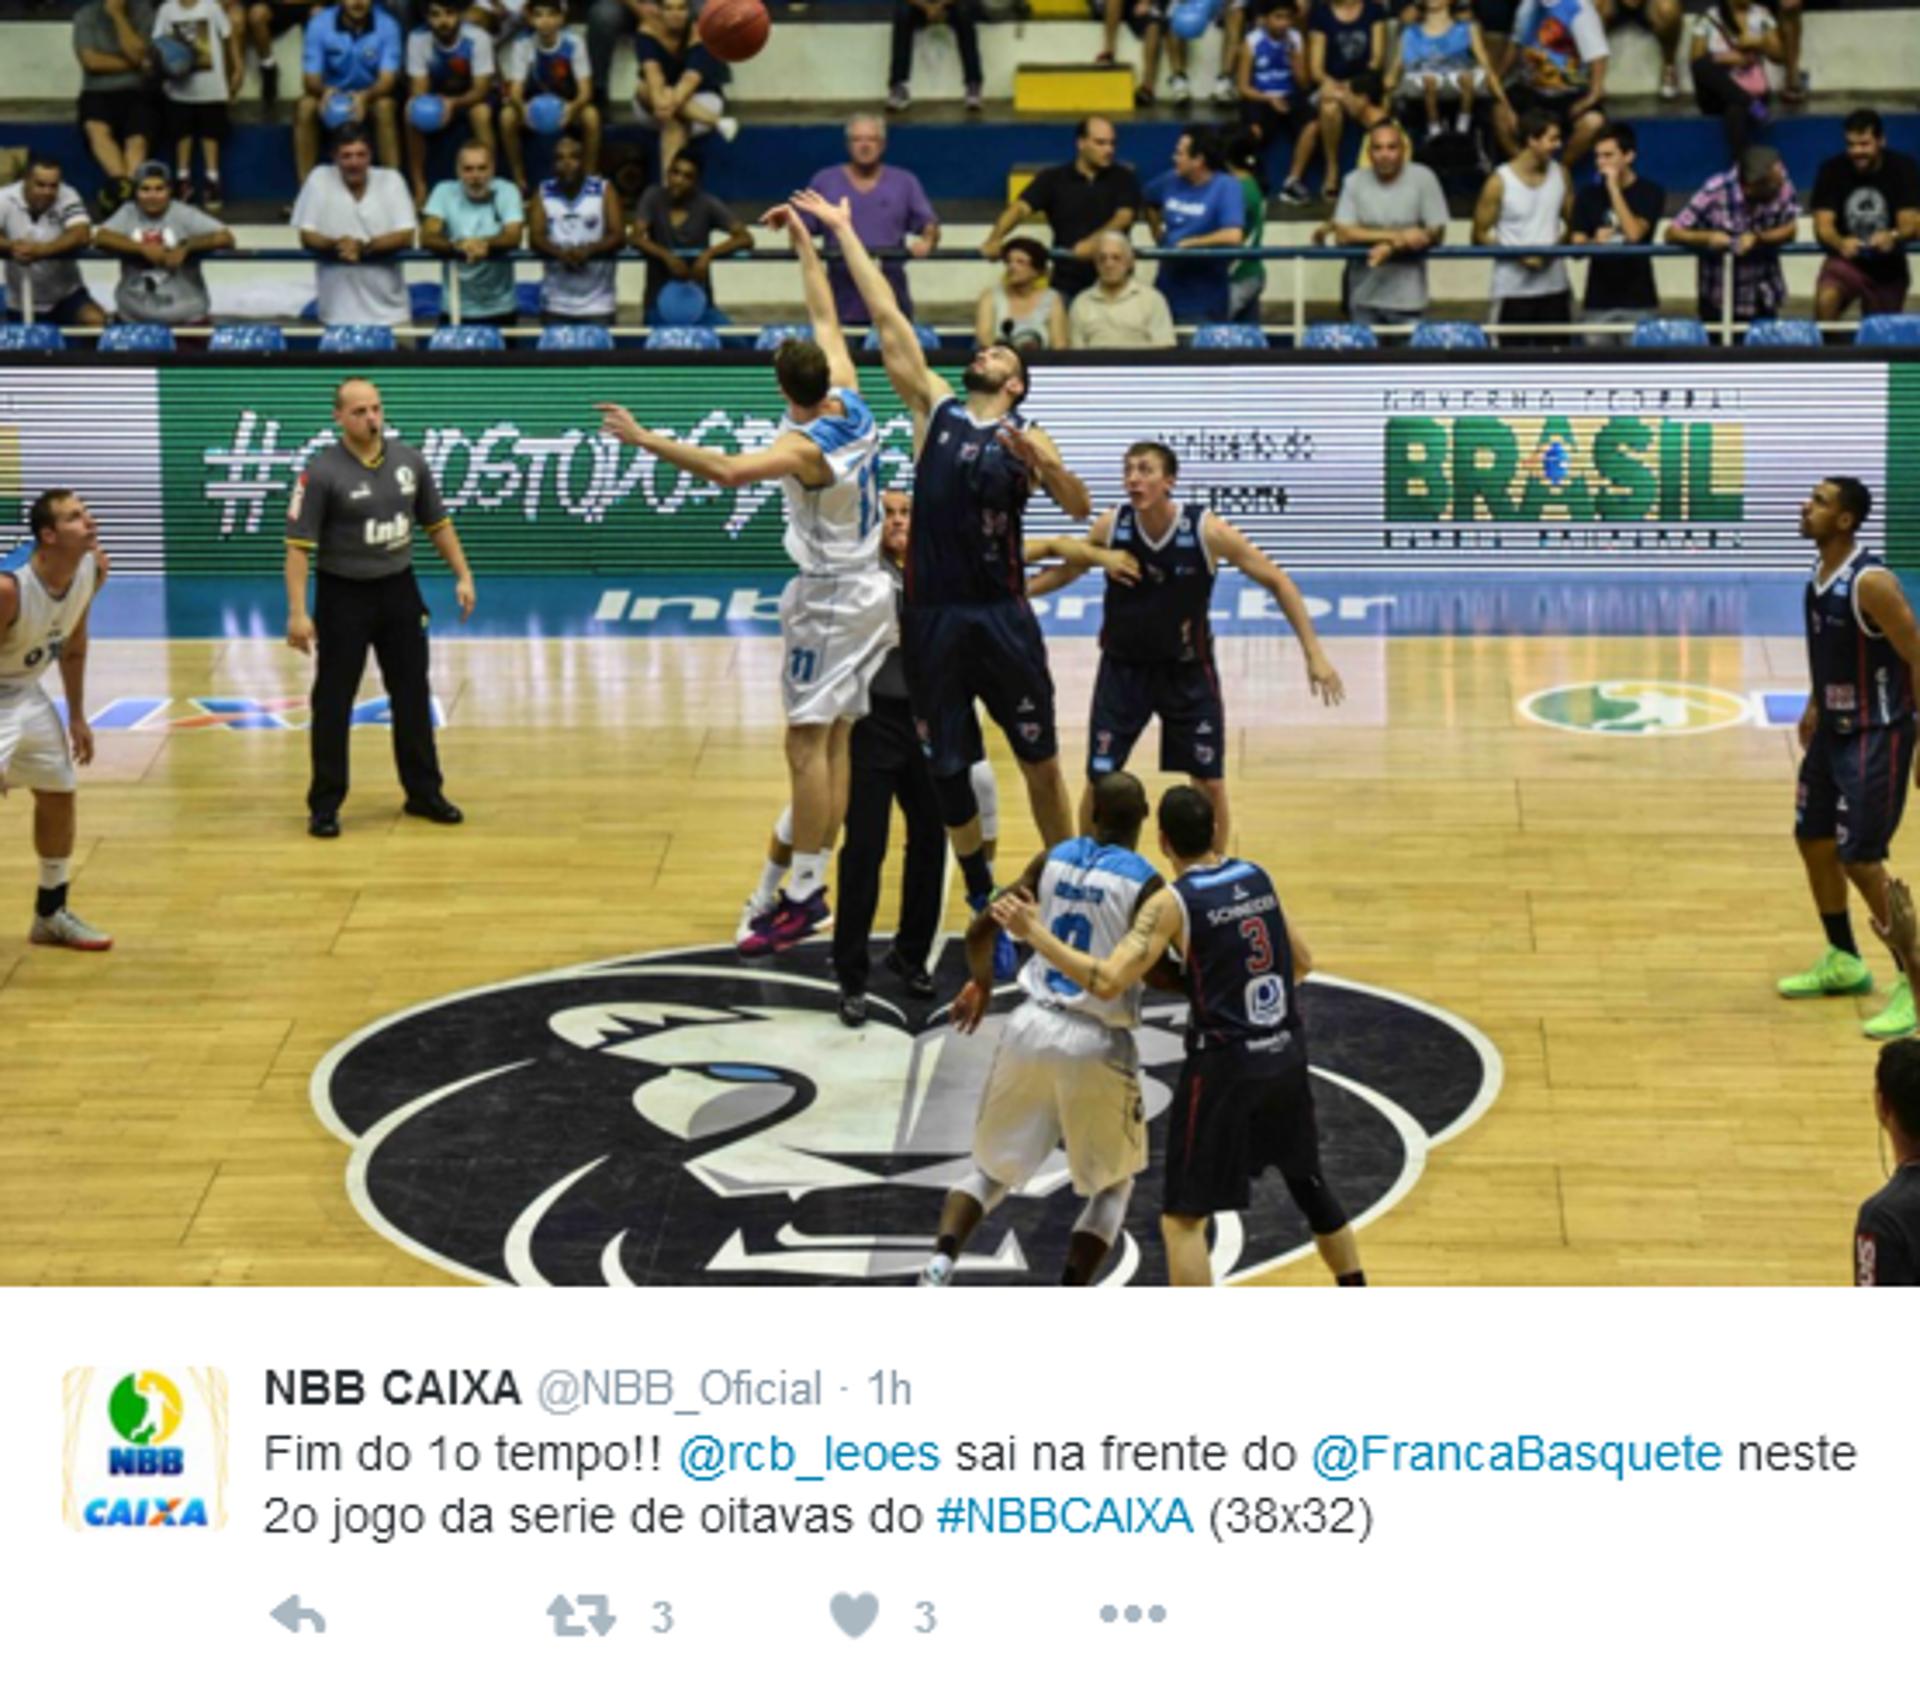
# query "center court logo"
(678, 1118)
(1637, 708)
(142, 1453)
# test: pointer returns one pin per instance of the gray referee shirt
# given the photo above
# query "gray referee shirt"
(359, 520)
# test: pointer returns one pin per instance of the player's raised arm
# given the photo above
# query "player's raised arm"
(828, 336)
(793, 455)
(1155, 928)
(900, 350)
(1036, 448)
(1225, 543)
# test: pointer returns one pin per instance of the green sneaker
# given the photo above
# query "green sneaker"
(1895, 1019)
(1837, 974)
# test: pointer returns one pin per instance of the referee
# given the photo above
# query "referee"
(355, 511)
(1886, 1236)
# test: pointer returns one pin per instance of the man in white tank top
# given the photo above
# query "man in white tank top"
(1526, 203)
(837, 615)
(1067, 1068)
(44, 596)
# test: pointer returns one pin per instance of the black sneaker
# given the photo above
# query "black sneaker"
(436, 809)
(914, 979)
(325, 825)
(853, 1011)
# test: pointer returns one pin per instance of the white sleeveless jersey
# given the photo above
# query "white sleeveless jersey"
(1089, 895)
(587, 292)
(44, 623)
(836, 529)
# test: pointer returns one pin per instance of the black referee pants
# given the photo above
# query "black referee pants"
(888, 766)
(388, 615)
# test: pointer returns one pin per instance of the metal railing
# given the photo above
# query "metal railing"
(1727, 326)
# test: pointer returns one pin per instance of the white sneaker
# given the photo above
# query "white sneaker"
(728, 126)
(1224, 91)
(1670, 82)
(1179, 91)
(752, 910)
(937, 1273)
(65, 929)
(898, 98)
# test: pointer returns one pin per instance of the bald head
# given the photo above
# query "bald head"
(357, 412)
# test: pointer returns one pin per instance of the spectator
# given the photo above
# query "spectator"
(1524, 204)
(1794, 87)
(1196, 205)
(1866, 203)
(1247, 281)
(1622, 208)
(506, 22)
(1752, 212)
(1021, 309)
(552, 59)
(912, 16)
(197, 101)
(1563, 54)
(353, 48)
(890, 209)
(1147, 20)
(113, 40)
(265, 20)
(1664, 20)
(577, 225)
(1396, 210)
(1441, 60)
(359, 218)
(478, 220)
(682, 215)
(1271, 81)
(1080, 200)
(607, 22)
(159, 242)
(43, 228)
(680, 88)
(1119, 310)
(1344, 39)
(1731, 46)
(451, 58)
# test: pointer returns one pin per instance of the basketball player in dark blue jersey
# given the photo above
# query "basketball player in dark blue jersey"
(1156, 632)
(1244, 1100)
(1858, 735)
(967, 632)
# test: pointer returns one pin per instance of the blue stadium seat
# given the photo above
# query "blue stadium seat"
(929, 339)
(427, 302)
(526, 298)
(1230, 335)
(1669, 332)
(576, 338)
(247, 338)
(136, 338)
(467, 338)
(772, 336)
(682, 338)
(1340, 338)
(31, 338)
(1783, 332)
(1448, 334)
(1889, 329)
(357, 338)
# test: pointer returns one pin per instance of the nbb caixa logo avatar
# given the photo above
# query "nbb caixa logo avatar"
(144, 1453)
(679, 1118)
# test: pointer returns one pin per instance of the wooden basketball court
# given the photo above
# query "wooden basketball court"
(1611, 911)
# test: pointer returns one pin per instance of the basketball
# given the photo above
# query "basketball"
(734, 29)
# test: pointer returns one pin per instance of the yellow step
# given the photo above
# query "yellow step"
(1018, 176)
(1075, 9)
(1072, 88)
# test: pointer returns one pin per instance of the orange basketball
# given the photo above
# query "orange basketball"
(734, 29)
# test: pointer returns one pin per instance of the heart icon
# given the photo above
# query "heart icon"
(854, 1613)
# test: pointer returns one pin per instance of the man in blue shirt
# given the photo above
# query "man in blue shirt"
(1199, 203)
(354, 49)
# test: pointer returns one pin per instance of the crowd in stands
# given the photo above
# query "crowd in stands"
(1432, 89)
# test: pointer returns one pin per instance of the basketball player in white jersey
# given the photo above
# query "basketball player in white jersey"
(44, 599)
(836, 616)
(1067, 1068)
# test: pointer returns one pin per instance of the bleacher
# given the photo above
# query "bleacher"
(825, 63)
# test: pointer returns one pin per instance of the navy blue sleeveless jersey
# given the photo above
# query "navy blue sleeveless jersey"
(969, 498)
(1239, 961)
(1166, 614)
(1860, 682)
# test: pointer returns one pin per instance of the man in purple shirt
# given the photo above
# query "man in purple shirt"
(1752, 212)
(888, 206)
